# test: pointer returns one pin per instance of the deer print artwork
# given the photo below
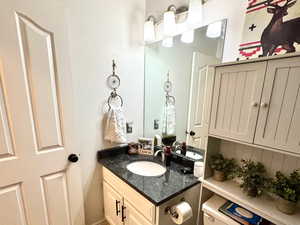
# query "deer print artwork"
(271, 27)
(278, 32)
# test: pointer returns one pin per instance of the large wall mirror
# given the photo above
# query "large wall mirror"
(175, 79)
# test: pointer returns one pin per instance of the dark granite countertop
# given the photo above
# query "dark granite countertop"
(156, 189)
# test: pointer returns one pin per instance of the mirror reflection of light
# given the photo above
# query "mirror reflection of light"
(188, 37)
(214, 30)
(168, 42)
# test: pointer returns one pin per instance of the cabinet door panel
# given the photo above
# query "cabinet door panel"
(279, 118)
(236, 96)
(112, 205)
(133, 217)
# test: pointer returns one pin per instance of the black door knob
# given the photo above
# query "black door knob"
(73, 158)
(192, 133)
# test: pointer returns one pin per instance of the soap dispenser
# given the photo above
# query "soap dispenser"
(168, 155)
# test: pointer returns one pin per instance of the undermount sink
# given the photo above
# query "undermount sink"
(146, 168)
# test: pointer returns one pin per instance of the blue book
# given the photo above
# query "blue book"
(240, 214)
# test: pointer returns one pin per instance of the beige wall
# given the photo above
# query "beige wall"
(233, 10)
(100, 31)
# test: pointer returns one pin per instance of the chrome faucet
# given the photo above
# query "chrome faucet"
(162, 155)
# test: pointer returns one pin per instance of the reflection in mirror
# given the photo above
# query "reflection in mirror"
(175, 83)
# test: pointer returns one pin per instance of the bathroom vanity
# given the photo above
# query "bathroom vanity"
(143, 200)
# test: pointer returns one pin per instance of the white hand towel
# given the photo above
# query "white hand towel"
(115, 127)
(169, 119)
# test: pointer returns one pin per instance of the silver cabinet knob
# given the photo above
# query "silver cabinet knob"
(264, 105)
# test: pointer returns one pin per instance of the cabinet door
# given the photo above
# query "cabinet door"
(132, 216)
(112, 205)
(235, 103)
(279, 118)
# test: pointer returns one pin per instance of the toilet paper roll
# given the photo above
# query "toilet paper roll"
(184, 212)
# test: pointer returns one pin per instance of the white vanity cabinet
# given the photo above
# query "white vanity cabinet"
(113, 203)
(258, 102)
(123, 205)
(132, 216)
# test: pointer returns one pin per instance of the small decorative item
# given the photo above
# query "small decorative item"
(254, 178)
(287, 188)
(146, 146)
(272, 27)
(113, 82)
(222, 168)
(133, 148)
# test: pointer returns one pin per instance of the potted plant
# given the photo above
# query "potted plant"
(288, 190)
(222, 168)
(254, 178)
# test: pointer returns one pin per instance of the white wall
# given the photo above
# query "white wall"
(100, 31)
(233, 10)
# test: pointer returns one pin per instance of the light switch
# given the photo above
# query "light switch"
(129, 127)
(156, 124)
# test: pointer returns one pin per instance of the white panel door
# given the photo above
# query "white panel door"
(279, 118)
(38, 186)
(197, 131)
(236, 97)
(112, 205)
(132, 216)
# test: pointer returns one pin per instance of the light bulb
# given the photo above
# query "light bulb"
(214, 30)
(149, 31)
(188, 36)
(168, 42)
(169, 23)
(195, 12)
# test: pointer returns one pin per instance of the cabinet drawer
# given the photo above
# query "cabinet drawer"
(144, 206)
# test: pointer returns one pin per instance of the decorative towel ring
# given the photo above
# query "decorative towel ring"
(113, 81)
(168, 86)
(171, 99)
(113, 95)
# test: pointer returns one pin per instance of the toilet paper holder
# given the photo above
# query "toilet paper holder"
(169, 210)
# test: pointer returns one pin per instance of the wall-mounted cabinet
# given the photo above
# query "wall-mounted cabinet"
(258, 103)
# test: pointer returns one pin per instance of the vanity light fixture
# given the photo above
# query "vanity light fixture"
(195, 12)
(188, 36)
(214, 30)
(167, 42)
(169, 21)
(149, 29)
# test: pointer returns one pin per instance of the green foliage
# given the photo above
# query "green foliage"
(228, 166)
(287, 187)
(254, 177)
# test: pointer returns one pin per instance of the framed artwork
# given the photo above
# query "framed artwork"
(271, 27)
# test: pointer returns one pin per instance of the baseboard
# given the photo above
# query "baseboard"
(101, 222)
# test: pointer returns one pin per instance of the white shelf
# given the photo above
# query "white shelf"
(263, 206)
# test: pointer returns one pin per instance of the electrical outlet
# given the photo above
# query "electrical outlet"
(129, 127)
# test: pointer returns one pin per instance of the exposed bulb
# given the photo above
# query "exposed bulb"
(149, 31)
(169, 23)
